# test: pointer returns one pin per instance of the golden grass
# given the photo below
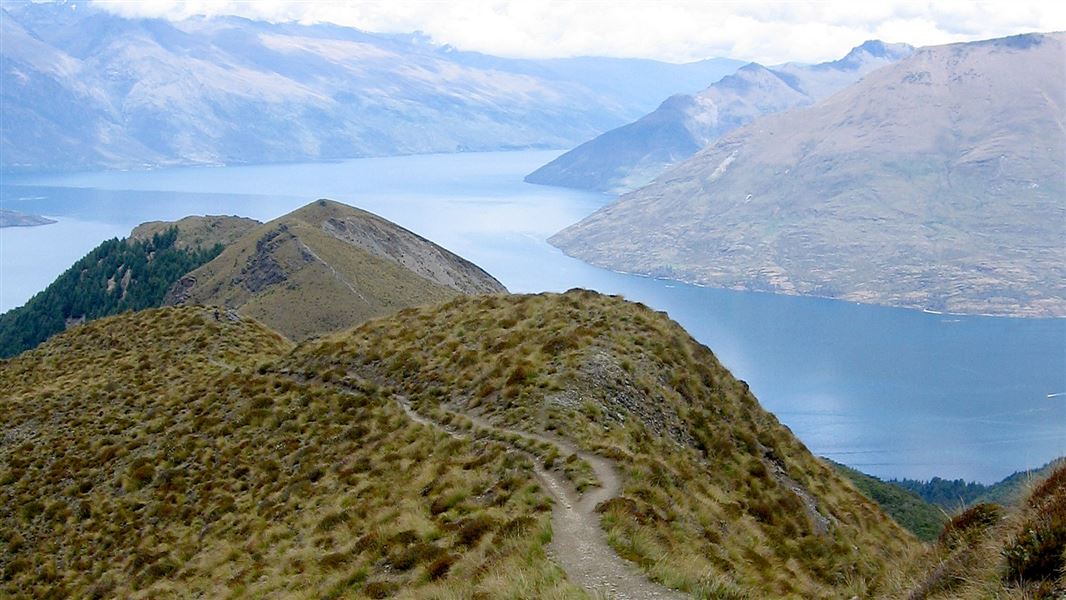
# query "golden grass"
(154, 455)
(706, 506)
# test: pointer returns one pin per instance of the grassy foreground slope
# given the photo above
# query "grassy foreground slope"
(151, 455)
(719, 499)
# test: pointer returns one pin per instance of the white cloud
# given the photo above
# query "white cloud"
(674, 30)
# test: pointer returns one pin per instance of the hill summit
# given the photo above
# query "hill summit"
(326, 267)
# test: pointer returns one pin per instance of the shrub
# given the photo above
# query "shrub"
(1038, 552)
(474, 528)
(970, 523)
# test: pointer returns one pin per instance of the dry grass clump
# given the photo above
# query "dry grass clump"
(710, 503)
(166, 453)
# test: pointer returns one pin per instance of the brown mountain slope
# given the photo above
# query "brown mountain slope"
(327, 267)
(936, 182)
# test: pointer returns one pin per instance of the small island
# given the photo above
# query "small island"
(14, 218)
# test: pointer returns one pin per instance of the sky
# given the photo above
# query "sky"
(671, 30)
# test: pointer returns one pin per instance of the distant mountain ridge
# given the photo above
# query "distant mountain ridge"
(84, 89)
(934, 183)
(630, 156)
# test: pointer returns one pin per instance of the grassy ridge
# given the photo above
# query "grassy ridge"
(252, 467)
(241, 482)
(710, 502)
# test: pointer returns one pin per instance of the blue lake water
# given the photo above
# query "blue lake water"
(896, 393)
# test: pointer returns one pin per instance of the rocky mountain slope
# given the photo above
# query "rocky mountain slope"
(427, 454)
(932, 183)
(119, 275)
(84, 88)
(327, 267)
(630, 156)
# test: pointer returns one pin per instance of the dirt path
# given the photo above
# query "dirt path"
(578, 543)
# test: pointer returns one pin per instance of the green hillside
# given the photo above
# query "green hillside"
(922, 518)
(957, 494)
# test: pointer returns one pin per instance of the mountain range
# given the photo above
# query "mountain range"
(630, 156)
(83, 88)
(934, 183)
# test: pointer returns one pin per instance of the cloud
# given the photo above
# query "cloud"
(673, 30)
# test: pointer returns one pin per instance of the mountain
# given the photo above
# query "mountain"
(83, 88)
(436, 452)
(118, 275)
(630, 156)
(339, 265)
(933, 183)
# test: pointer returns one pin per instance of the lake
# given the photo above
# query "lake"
(893, 392)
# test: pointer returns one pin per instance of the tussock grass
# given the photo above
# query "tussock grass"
(162, 454)
(708, 503)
